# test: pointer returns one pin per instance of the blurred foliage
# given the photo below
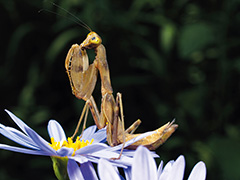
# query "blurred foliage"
(170, 59)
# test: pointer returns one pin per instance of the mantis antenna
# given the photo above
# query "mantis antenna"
(78, 21)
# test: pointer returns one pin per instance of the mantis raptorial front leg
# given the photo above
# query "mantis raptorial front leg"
(83, 79)
(82, 76)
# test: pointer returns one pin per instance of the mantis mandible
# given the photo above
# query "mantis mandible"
(83, 78)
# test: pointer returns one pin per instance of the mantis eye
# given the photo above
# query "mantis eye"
(95, 40)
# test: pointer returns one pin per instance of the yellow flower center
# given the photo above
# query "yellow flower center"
(70, 144)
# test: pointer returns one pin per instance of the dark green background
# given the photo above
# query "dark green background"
(169, 58)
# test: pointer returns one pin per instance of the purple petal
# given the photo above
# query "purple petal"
(159, 171)
(144, 166)
(199, 172)
(88, 171)
(18, 121)
(43, 145)
(166, 171)
(23, 150)
(56, 131)
(107, 155)
(123, 162)
(178, 167)
(81, 159)
(95, 159)
(131, 153)
(100, 136)
(128, 173)
(107, 171)
(91, 148)
(64, 151)
(74, 172)
(17, 137)
(88, 133)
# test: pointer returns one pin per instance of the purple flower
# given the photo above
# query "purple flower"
(66, 153)
(144, 167)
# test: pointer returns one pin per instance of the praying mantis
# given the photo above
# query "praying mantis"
(83, 77)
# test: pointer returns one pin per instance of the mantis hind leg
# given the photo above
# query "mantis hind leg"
(122, 128)
(133, 127)
(117, 134)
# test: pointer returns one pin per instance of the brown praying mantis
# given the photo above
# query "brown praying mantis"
(83, 79)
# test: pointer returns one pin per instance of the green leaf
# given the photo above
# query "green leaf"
(60, 42)
(194, 37)
(168, 33)
(226, 154)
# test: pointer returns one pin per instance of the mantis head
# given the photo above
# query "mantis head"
(92, 41)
